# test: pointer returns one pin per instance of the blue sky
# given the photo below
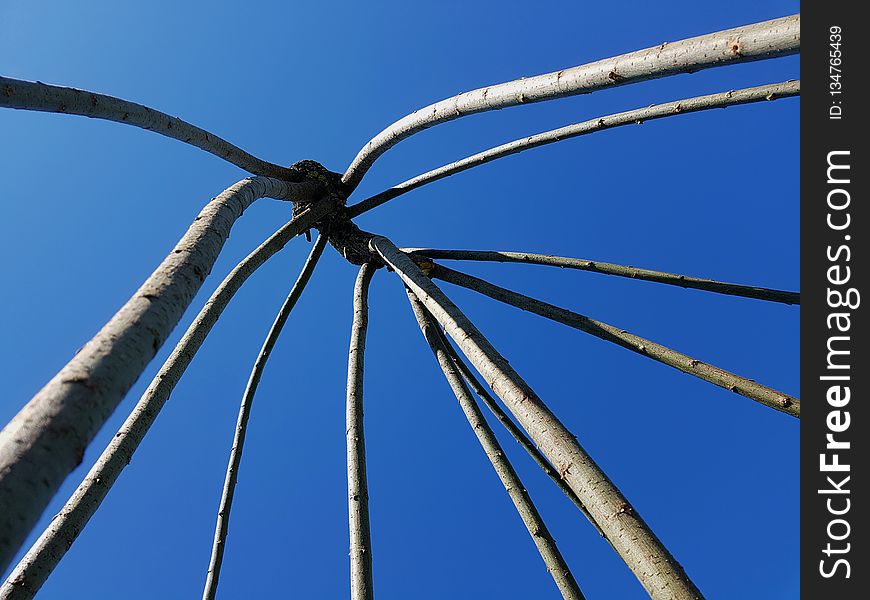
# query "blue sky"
(90, 208)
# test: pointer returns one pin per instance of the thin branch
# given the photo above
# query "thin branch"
(516, 432)
(556, 564)
(740, 385)
(659, 573)
(582, 264)
(361, 586)
(29, 575)
(631, 117)
(769, 39)
(226, 503)
(38, 96)
(46, 440)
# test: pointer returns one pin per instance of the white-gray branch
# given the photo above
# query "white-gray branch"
(38, 96)
(656, 569)
(44, 442)
(512, 483)
(632, 117)
(582, 264)
(226, 503)
(778, 37)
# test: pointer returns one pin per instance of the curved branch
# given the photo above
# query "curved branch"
(361, 584)
(656, 569)
(38, 96)
(47, 551)
(582, 264)
(515, 431)
(631, 117)
(769, 39)
(740, 385)
(226, 503)
(556, 564)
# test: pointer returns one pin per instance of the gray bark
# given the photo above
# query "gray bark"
(582, 264)
(656, 569)
(556, 565)
(631, 117)
(226, 502)
(47, 551)
(516, 432)
(777, 37)
(361, 584)
(38, 96)
(740, 385)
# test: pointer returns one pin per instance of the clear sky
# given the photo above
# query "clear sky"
(90, 208)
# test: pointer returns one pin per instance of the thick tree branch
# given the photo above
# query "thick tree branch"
(232, 474)
(631, 117)
(655, 567)
(361, 585)
(516, 432)
(35, 95)
(556, 565)
(582, 264)
(47, 551)
(769, 39)
(740, 385)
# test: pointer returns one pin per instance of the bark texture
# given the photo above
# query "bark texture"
(361, 585)
(768, 39)
(38, 96)
(556, 565)
(582, 264)
(631, 117)
(226, 502)
(740, 385)
(29, 575)
(656, 569)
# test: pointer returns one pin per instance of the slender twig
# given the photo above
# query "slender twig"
(232, 473)
(659, 573)
(361, 586)
(47, 439)
(556, 564)
(745, 387)
(38, 96)
(769, 39)
(582, 264)
(27, 577)
(631, 117)
(516, 432)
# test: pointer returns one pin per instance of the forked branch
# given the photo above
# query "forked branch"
(29, 575)
(38, 96)
(232, 474)
(657, 570)
(361, 583)
(631, 117)
(556, 564)
(740, 385)
(759, 41)
(582, 264)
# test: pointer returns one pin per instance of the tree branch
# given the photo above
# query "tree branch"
(582, 264)
(769, 39)
(659, 573)
(38, 96)
(226, 502)
(740, 385)
(361, 585)
(556, 565)
(46, 552)
(631, 117)
(516, 432)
